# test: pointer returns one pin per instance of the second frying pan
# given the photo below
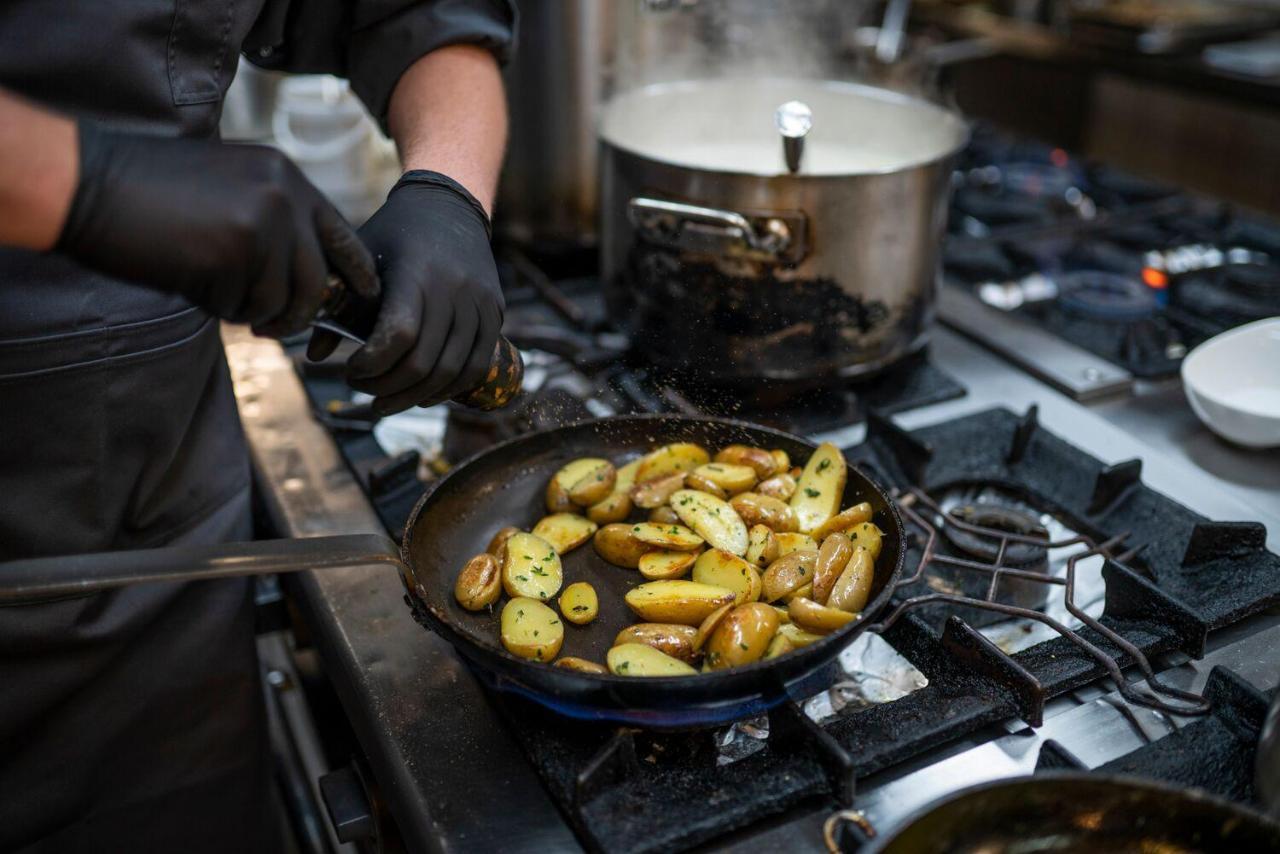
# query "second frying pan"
(455, 519)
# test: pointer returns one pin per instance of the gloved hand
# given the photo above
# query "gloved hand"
(441, 301)
(236, 229)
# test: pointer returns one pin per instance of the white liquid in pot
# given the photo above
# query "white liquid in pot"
(727, 125)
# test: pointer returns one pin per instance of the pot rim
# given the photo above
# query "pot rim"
(964, 130)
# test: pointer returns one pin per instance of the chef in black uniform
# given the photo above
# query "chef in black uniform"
(132, 721)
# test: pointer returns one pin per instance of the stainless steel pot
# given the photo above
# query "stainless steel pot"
(721, 263)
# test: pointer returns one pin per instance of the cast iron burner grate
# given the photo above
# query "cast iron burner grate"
(1171, 577)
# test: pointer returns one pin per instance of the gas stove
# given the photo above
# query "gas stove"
(1170, 544)
(1125, 274)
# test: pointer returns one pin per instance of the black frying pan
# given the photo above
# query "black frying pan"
(1079, 812)
(455, 519)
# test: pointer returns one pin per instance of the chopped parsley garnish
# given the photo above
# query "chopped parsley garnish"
(581, 608)
(812, 493)
(555, 622)
(537, 570)
(824, 465)
(542, 594)
(522, 578)
(535, 633)
(528, 557)
(519, 613)
(744, 646)
(624, 666)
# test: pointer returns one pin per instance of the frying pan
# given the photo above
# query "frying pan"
(455, 519)
(1071, 811)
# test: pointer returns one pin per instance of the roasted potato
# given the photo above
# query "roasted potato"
(788, 573)
(833, 556)
(700, 483)
(762, 546)
(780, 645)
(570, 476)
(797, 636)
(761, 461)
(498, 545)
(742, 636)
(781, 460)
(868, 536)
(819, 619)
(780, 486)
(730, 477)
(569, 662)
(616, 507)
(531, 629)
(708, 626)
(579, 604)
(792, 542)
(684, 602)
(853, 587)
(663, 564)
(804, 591)
(820, 488)
(594, 486)
(615, 544)
(637, 659)
(677, 458)
(844, 521)
(672, 537)
(664, 515)
(656, 492)
(721, 569)
(532, 568)
(712, 519)
(565, 531)
(479, 584)
(670, 639)
(756, 509)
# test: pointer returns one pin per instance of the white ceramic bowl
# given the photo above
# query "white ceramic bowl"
(1233, 383)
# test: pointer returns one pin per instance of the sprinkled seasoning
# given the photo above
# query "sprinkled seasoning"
(812, 493)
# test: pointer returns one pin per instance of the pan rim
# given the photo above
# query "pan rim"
(833, 642)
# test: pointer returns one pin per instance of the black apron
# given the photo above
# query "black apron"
(130, 721)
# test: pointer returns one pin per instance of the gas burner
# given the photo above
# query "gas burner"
(1105, 296)
(1256, 281)
(1039, 181)
(1000, 518)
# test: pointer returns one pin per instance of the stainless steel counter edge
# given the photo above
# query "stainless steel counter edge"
(405, 690)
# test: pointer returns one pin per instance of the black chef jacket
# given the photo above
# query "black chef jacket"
(132, 721)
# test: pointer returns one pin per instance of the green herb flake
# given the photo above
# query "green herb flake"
(555, 622)
(812, 493)
(535, 633)
(744, 646)
(528, 557)
(542, 594)
(537, 570)
(522, 578)
(824, 465)
(624, 666)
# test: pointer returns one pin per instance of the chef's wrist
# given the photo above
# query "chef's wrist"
(427, 180)
(38, 156)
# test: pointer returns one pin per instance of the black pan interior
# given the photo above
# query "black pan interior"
(505, 486)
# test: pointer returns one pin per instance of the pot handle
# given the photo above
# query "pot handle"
(40, 578)
(776, 236)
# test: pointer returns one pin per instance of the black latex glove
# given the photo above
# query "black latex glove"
(441, 302)
(236, 229)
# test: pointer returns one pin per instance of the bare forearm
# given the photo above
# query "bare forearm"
(38, 163)
(448, 114)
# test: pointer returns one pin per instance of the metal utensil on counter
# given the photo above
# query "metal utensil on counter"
(889, 40)
(794, 120)
(352, 317)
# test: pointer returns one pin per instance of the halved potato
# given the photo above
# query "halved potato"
(671, 639)
(819, 619)
(664, 515)
(532, 568)
(780, 645)
(804, 591)
(761, 461)
(594, 486)
(781, 460)
(579, 603)
(676, 458)
(569, 662)
(479, 584)
(685, 602)
(637, 659)
(756, 509)
(565, 531)
(567, 477)
(498, 545)
(762, 546)
(708, 626)
(742, 637)
(797, 636)
(700, 483)
(712, 519)
(780, 486)
(845, 520)
(674, 537)
(721, 569)
(530, 629)
(614, 508)
(731, 478)
(793, 542)
(820, 488)
(868, 536)
(661, 564)
(615, 544)
(656, 492)
(853, 587)
(788, 573)
(833, 556)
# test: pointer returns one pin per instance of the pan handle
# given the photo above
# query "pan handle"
(79, 575)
